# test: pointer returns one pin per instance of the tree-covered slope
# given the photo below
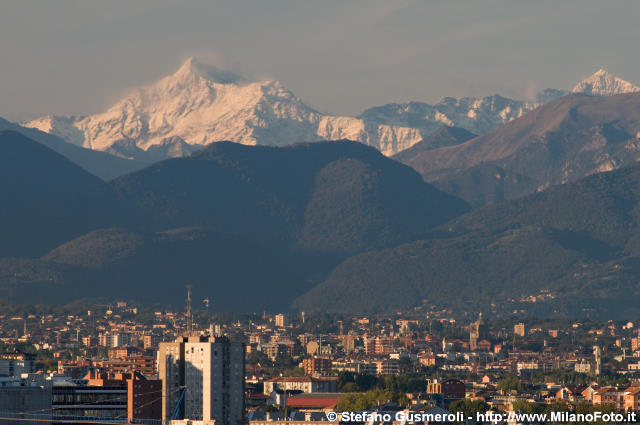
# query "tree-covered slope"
(573, 249)
(154, 268)
(327, 197)
(46, 198)
(269, 221)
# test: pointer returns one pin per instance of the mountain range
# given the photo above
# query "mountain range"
(572, 250)
(289, 213)
(354, 232)
(142, 202)
(153, 268)
(559, 142)
(101, 164)
(200, 104)
(333, 198)
(46, 198)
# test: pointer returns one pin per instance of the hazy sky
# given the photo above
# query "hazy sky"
(341, 56)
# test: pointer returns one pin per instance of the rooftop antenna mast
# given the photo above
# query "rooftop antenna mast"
(189, 324)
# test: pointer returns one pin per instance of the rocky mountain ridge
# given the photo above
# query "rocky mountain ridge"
(200, 104)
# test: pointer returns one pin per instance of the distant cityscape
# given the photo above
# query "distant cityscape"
(125, 364)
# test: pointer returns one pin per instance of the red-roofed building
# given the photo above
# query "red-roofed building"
(129, 394)
(451, 389)
(609, 395)
(313, 401)
(632, 398)
(123, 352)
(252, 400)
(74, 368)
(571, 393)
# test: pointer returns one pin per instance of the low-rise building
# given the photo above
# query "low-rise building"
(305, 384)
(108, 395)
(316, 365)
(23, 402)
(451, 389)
(15, 364)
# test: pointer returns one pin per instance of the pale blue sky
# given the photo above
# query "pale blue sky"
(340, 56)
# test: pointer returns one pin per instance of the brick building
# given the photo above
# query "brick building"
(316, 365)
(451, 389)
(128, 395)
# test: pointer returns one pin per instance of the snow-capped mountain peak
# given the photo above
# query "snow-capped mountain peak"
(200, 104)
(602, 83)
(192, 68)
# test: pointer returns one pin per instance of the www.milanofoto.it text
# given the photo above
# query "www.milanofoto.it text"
(515, 417)
(488, 417)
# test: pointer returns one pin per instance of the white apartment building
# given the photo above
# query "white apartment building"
(213, 374)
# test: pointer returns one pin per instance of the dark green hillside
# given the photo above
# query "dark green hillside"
(487, 183)
(154, 268)
(603, 206)
(46, 198)
(327, 198)
(252, 220)
(574, 248)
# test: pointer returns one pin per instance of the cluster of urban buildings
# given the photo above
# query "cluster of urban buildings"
(115, 363)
